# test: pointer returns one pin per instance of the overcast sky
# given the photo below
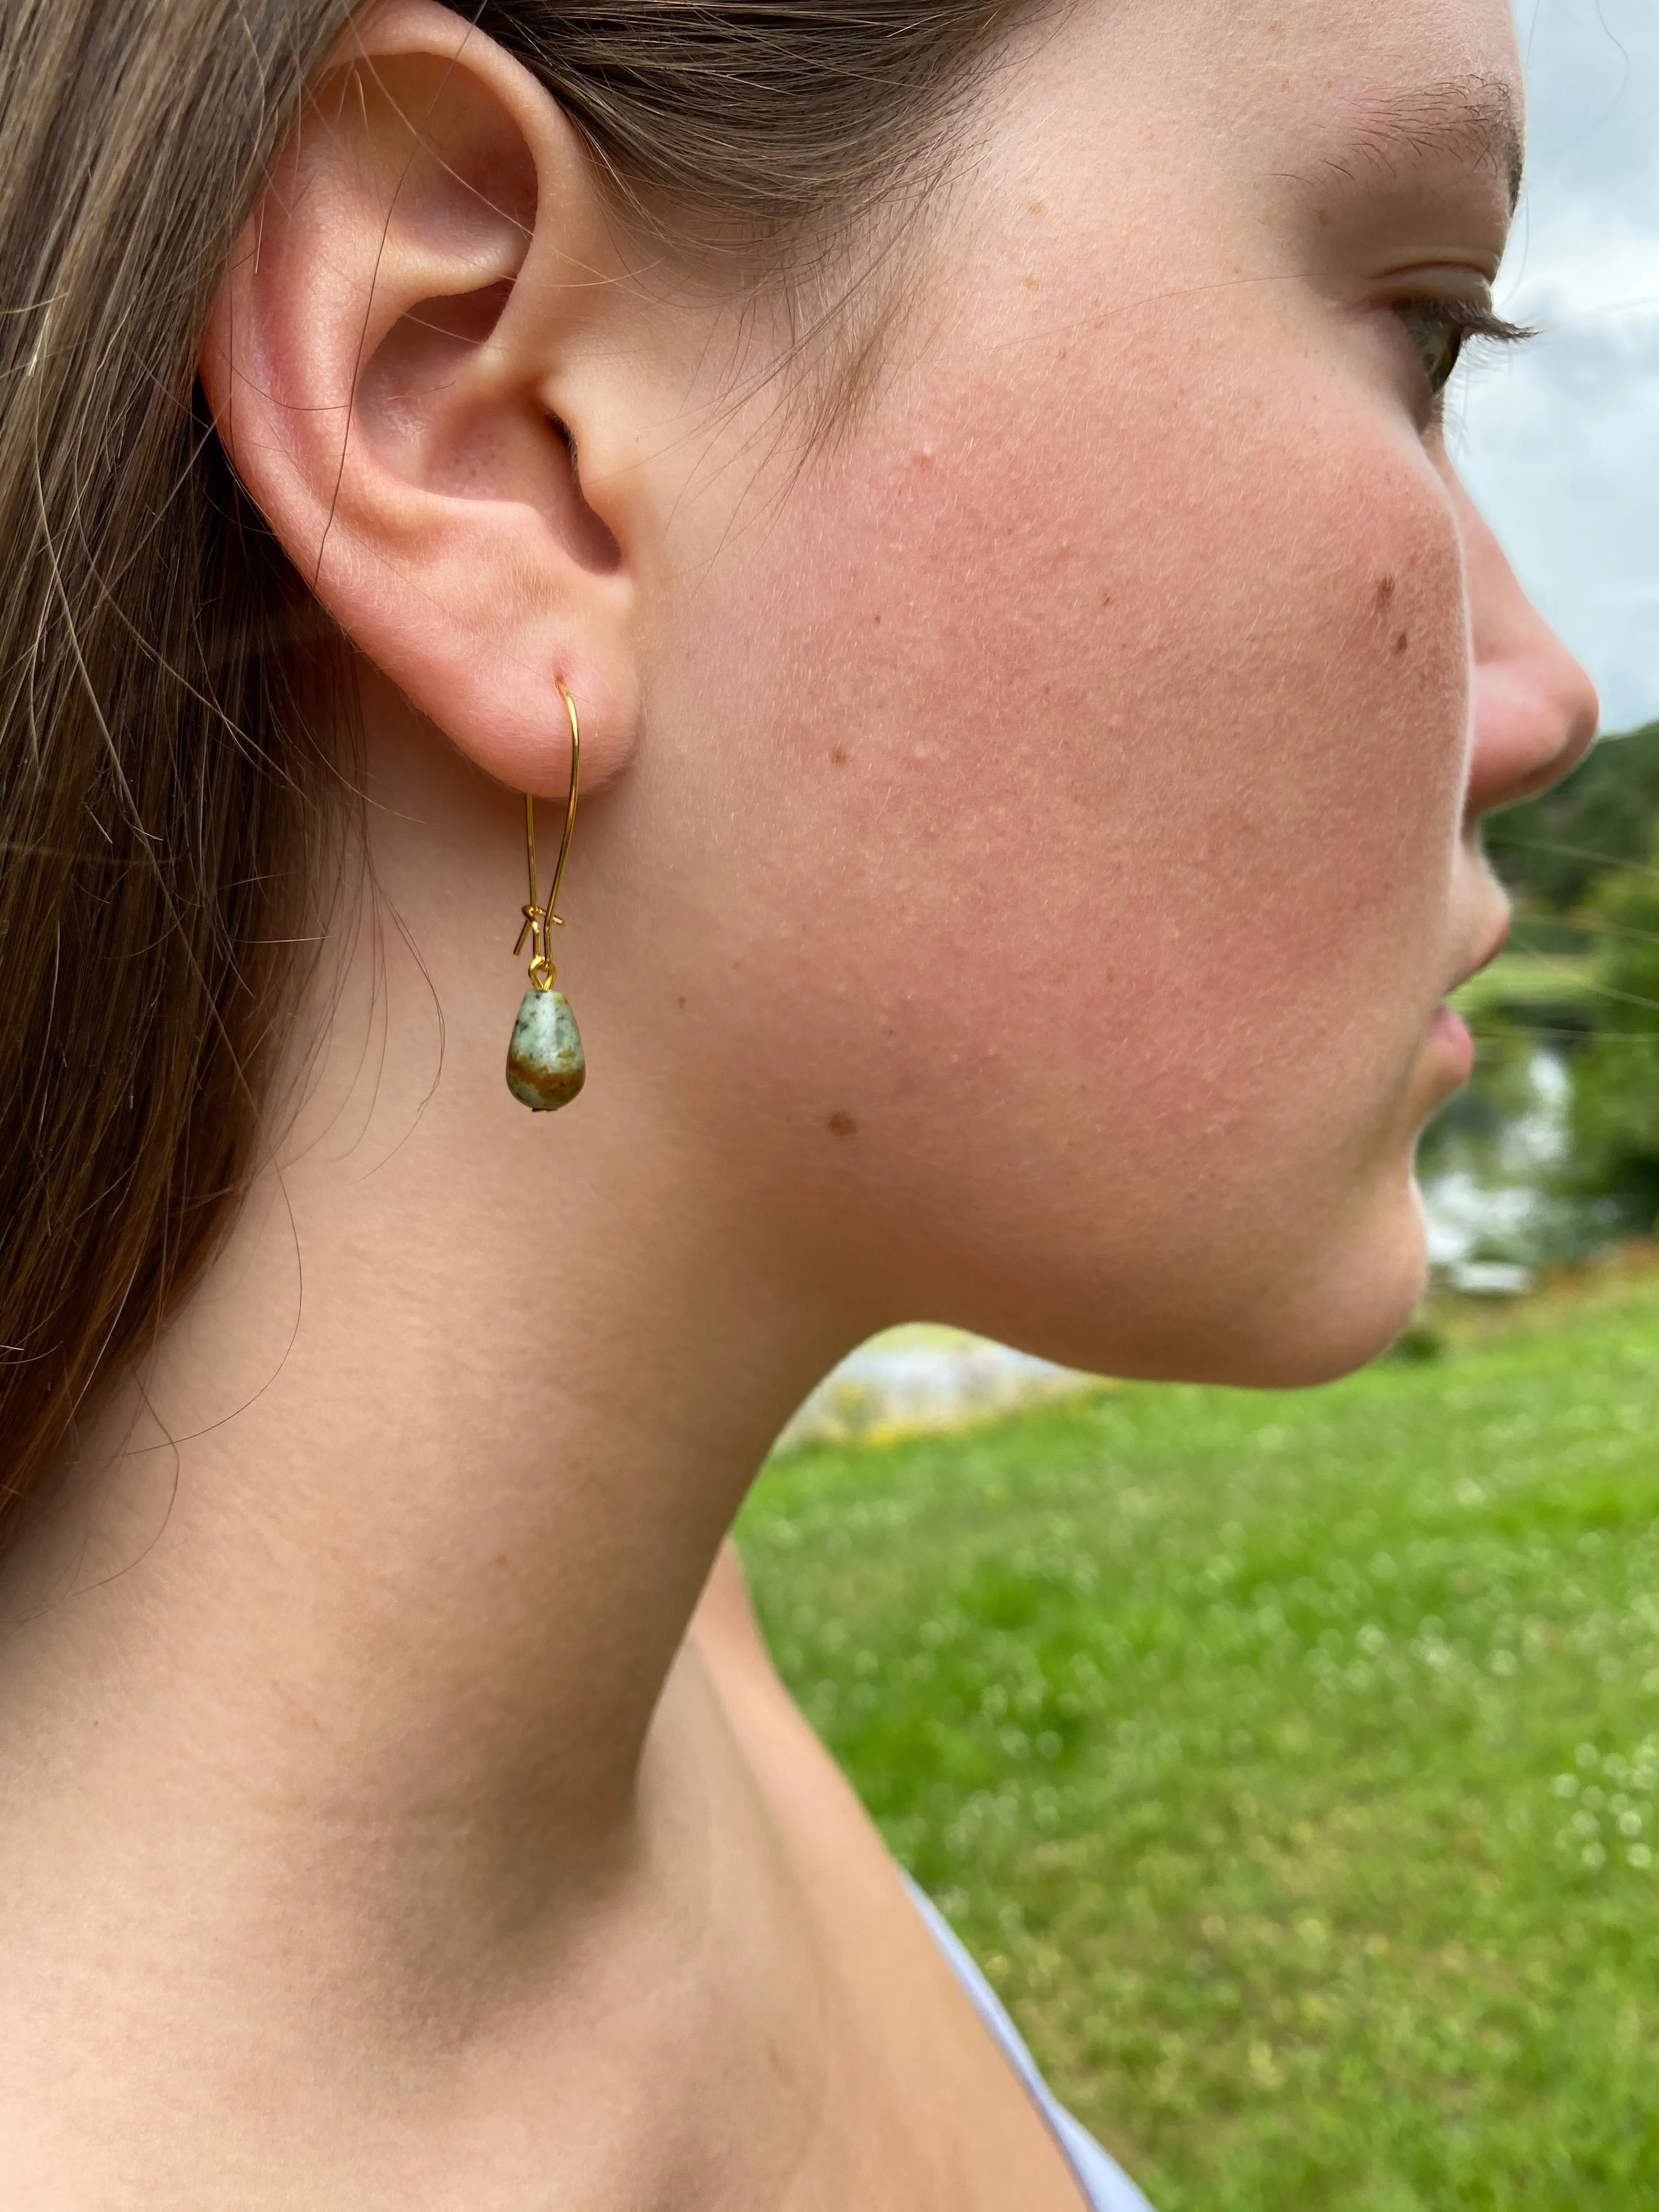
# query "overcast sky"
(1559, 442)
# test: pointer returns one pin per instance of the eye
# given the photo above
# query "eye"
(1440, 329)
(1438, 333)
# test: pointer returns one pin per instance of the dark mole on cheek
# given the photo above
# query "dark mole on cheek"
(680, 1003)
(838, 756)
(843, 1124)
(1401, 641)
(1386, 588)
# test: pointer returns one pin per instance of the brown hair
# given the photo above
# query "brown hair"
(166, 798)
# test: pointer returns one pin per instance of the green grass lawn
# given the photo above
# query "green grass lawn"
(1290, 1761)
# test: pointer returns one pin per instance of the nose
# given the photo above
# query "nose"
(1535, 709)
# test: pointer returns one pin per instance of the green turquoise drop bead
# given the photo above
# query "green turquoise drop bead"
(545, 1064)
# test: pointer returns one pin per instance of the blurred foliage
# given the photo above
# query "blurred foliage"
(1615, 1104)
(1554, 849)
(1290, 1761)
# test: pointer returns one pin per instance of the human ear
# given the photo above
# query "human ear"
(412, 363)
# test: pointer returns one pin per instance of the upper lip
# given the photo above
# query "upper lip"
(1496, 937)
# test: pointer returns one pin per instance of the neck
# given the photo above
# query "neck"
(380, 1575)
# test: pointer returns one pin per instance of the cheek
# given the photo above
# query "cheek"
(1136, 703)
(1063, 790)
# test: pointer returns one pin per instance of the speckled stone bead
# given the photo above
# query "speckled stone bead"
(545, 1064)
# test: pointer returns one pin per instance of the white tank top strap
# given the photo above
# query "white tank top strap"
(1104, 2184)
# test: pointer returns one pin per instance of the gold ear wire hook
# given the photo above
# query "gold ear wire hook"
(537, 919)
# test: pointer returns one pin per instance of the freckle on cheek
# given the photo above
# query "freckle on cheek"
(1401, 641)
(838, 756)
(843, 1124)
(1386, 588)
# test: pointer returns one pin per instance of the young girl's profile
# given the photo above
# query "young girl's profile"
(677, 678)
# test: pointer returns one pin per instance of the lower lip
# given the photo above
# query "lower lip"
(1449, 1037)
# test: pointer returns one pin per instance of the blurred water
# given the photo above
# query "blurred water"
(915, 1379)
(1489, 1225)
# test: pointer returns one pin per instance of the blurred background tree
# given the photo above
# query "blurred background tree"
(1553, 850)
(1616, 1093)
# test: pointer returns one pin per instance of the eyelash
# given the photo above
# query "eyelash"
(1453, 323)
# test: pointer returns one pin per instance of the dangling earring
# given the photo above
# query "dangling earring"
(545, 1064)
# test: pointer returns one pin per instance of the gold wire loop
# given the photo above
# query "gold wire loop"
(538, 919)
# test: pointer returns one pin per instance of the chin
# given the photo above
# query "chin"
(1320, 1311)
(1348, 1306)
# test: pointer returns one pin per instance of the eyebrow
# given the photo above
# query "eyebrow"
(1465, 119)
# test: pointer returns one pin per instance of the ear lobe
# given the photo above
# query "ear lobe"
(381, 361)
